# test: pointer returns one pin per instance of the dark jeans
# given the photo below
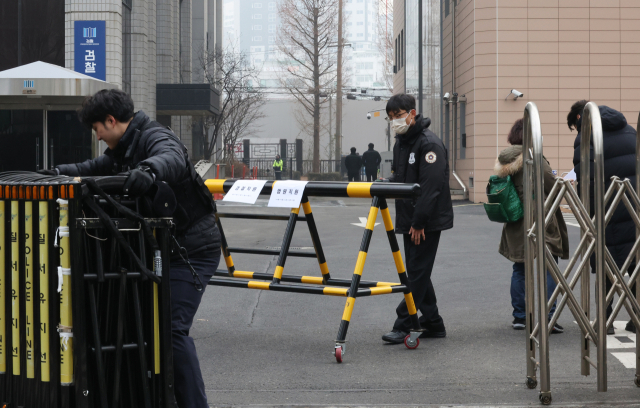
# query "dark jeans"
(420, 259)
(354, 176)
(185, 299)
(372, 175)
(518, 287)
(278, 175)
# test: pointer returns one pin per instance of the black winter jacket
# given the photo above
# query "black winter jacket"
(371, 160)
(353, 163)
(147, 143)
(619, 140)
(420, 157)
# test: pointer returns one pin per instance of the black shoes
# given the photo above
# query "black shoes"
(630, 327)
(519, 324)
(557, 329)
(395, 337)
(611, 331)
(428, 334)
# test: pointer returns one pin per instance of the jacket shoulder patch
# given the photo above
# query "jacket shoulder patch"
(431, 157)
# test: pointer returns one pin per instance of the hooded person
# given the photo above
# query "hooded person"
(371, 161)
(419, 157)
(619, 143)
(353, 163)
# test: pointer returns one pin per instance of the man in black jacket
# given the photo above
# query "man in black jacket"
(419, 157)
(353, 163)
(150, 153)
(619, 142)
(371, 160)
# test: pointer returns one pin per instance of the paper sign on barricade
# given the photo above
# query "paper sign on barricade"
(286, 193)
(245, 191)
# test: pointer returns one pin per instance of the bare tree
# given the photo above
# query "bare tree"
(241, 104)
(384, 40)
(306, 41)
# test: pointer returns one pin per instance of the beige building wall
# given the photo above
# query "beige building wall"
(553, 51)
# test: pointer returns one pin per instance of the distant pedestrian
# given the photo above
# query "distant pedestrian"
(371, 161)
(353, 163)
(619, 142)
(509, 163)
(419, 157)
(277, 167)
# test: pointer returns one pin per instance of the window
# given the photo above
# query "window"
(256, 5)
(272, 39)
(272, 28)
(359, 23)
(360, 12)
(272, 17)
(402, 48)
(256, 27)
(256, 38)
(349, 24)
(126, 45)
(446, 7)
(272, 6)
(360, 35)
(256, 16)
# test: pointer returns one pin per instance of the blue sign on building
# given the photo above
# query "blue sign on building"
(90, 49)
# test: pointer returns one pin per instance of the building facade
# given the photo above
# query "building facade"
(554, 52)
(150, 45)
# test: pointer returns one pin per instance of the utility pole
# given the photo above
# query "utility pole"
(338, 152)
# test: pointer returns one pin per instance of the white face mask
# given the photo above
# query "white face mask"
(400, 126)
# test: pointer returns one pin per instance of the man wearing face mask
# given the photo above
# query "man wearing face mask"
(419, 157)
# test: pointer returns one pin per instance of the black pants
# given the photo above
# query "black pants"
(354, 176)
(372, 175)
(278, 175)
(185, 299)
(420, 259)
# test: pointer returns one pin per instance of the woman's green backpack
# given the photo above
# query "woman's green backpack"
(504, 204)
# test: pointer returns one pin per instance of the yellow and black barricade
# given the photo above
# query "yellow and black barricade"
(85, 318)
(323, 284)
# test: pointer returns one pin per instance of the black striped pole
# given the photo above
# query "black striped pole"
(315, 238)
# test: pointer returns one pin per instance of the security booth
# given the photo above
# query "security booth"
(39, 125)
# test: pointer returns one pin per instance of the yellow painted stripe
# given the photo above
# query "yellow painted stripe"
(362, 256)
(380, 290)
(386, 218)
(380, 284)
(215, 186)
(258, 285)
(228, 261)
(306, 207)
(66, 298)
(311, 279)
(296, 210)
(411, 306)
(278, 273)
(361, 190)
(324, 268)
(335, 291)
(28, 289)
(156, 330)
(243, 274)
(348, 308)
(397, 258)
(371, 220)
(43, 268)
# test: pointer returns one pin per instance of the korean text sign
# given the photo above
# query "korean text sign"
(286, 193)
(90, 49)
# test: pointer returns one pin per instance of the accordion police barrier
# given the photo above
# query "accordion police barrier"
(85, 317)
(324, 284)
(538, 258)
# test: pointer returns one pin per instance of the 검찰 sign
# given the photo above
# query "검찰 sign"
(90, 49)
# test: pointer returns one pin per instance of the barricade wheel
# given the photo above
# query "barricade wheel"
(545, 399)
(532, 383)
(411, 344)
(338, 354)
(637, 381)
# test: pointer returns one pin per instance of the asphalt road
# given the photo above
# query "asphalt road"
(260, 348)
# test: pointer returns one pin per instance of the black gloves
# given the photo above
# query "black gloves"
(138, 183)
(46, 172)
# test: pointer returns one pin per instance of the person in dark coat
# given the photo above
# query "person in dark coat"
(353, 163)
(371, 161)
(510, 163)
(619, 142)
(150, 153)
(419, 157)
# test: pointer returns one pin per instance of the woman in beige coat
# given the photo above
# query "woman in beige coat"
(509, 163)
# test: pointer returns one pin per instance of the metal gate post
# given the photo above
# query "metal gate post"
(637, 282)
(592, 134)
(532, 142)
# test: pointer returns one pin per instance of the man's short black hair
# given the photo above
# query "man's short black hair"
(371, 145)
(400, 102)
(572, 117)
(353, 150)
(112, 102)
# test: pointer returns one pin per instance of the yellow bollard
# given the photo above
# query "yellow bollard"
(43, 241)
(65, 328)
(28, 282)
